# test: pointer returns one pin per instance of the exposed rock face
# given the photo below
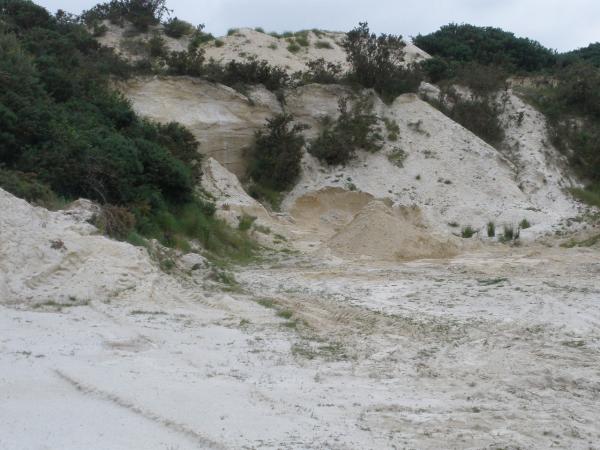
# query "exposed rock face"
(222, 119)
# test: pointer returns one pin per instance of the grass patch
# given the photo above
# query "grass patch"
(397, 157)
(589, 196)
(491, 229)
(467, 232)
(323, 45)
(524, 224)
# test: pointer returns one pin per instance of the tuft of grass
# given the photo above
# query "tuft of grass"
(245, 222)
(524, 224)
(467, 232)
(232, 31)
(260, 29)
(285, 314)
(266, 302)
(491, 229)
(397, 157)
(219, 43)
(510, 234)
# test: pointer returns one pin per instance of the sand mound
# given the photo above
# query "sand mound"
(326, 211)
(380, 231)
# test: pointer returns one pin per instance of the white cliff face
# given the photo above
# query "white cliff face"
(222, 119)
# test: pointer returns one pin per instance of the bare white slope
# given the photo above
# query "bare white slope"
(450, 173)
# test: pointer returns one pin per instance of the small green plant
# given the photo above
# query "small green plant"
(293, 48)
(259, 29)
(219, 43)
(245, 222)
(392, 128)
(467, 232)
(323, 45)
(491, 229)
(273, 46)
(510, 234)
(302, 39)
(524, 224)
(397, 157)
(232, 31)
(157, 46)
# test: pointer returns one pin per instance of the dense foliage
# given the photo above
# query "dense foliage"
(590, 54)
(354, 129)
(65, 133)
(486, 45)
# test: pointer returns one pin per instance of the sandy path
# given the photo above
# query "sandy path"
(490, 350)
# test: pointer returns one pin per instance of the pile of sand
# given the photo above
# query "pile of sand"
(326, 211)
(383, 232)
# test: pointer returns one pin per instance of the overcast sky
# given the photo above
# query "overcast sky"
(558, 24)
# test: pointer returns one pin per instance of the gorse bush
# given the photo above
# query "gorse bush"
(376, 62)
(354, 129)
(277, 153)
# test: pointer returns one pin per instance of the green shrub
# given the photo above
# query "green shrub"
(219, 43)
(353, 130)
(302, 39)
(235, 73)
(157, 46)
(467, 232)
(176, 28)
(322, 72)
(392, 128)
(376, 63)
(510, 234)
(480, 115)
(397, 157)
(259, 29)
(293, 48)
(277, 152)
(524, 224)
(186, 62)
(198, 38)
(232, 31)
(323, 45)
(491, 229)
(266, 195)
(245, 222)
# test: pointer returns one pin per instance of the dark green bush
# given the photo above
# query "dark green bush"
(277, 153)
(355, 129)
(177, 28)
(28, 187)
(186, 62)
(322, 72)
(251, 72)
(486, 46)
(157, 46)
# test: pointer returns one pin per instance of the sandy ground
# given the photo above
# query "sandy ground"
(495, 349)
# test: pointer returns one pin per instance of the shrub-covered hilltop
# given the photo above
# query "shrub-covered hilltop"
(64, 134)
